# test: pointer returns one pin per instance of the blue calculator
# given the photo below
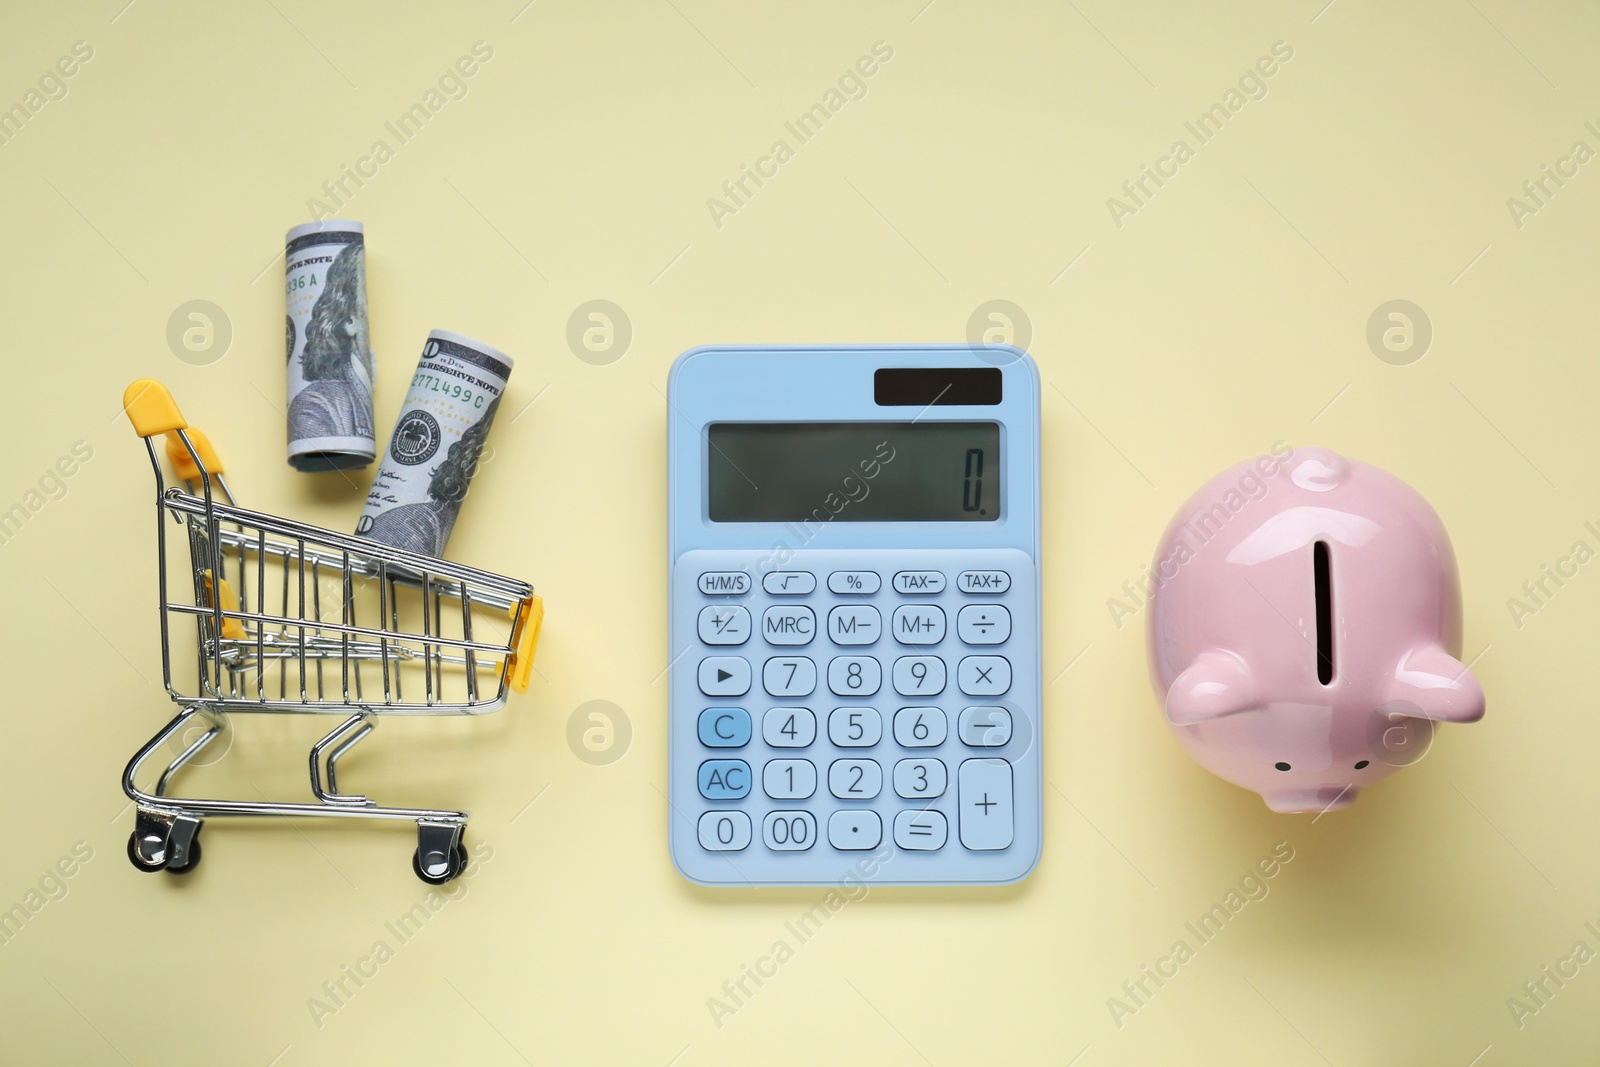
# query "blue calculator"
(854, 615)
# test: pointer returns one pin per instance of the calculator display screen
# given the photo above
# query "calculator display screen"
(925, 471)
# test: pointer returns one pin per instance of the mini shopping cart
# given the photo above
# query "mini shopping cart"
(291, 618)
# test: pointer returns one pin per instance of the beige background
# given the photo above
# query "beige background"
(1229, 312)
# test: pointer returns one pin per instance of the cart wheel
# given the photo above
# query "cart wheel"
(194, 857)
(453, 867)
(152, 843)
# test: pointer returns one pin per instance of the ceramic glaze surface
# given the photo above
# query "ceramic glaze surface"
(1305, 628)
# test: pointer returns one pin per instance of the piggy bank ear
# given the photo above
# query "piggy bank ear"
(1217, 683)
(1432, 684)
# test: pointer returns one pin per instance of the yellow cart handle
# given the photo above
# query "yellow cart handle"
(151, 409)
(183, 463)
(232, 629)
(530, 617)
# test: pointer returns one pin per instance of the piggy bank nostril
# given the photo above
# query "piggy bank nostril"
(1281, 766)
(1361, 765)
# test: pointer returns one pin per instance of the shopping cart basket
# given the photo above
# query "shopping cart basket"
(290, 618)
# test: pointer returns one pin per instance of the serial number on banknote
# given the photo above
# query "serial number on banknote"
(453, 390)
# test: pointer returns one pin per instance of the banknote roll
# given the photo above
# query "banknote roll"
(330, 359)
(436, 445)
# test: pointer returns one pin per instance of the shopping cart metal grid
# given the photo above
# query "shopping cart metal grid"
(290, 618)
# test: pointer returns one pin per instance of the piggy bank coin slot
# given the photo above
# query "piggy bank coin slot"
(1320, 575)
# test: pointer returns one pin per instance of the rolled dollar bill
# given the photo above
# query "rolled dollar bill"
(437, 441)
(330, 358)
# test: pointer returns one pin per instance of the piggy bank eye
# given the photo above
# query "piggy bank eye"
(1281, 766)
(1361, 764)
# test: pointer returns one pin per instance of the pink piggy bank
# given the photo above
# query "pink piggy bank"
(1305, 628)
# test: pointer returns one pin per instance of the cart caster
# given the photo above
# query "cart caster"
(440, 855)
(164, 843)
(191, 861)
(440, 870)
(147, 851)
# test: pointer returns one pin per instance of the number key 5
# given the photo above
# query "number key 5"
(855, 727)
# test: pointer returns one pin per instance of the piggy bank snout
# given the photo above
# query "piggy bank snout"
(1315, 798)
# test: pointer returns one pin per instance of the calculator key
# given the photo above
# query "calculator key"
(795, 676)
(789, 727)
(789, 779)
(854, 676)
(921, 831)
(849, 830)
(724, 831)
(919, 582)
(724, 676)
(724, 728)
(916, 676)
(724, 779)
(920, 779)
(983, 581)
(984, 727)
(789, 624)
(919, 727)
(984, 676)
(983, 624)
(723, 624)
(789, 831)
(789, 583)
(854, 624)
(984, 788)
(724, 583)
(855, 728)
(918, 624)
(862, 583)
(855, 779)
